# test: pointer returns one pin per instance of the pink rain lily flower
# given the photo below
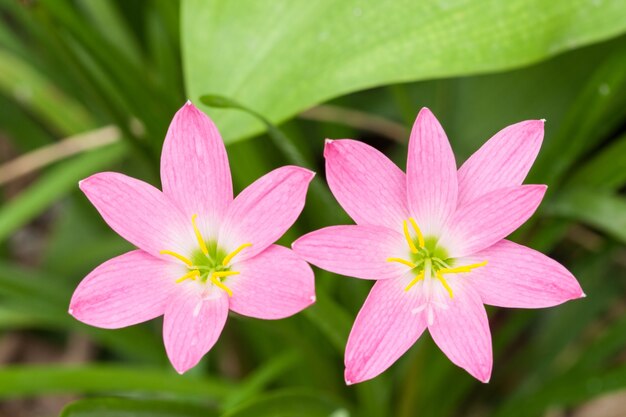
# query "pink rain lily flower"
(201, 252)
(434, 241)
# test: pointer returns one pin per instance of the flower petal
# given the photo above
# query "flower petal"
(461, 330)
(519, 277)
(192, 324)
(274, 284)
(126, 290)
(194, 168)
(139, 213)
(503, 161)
(369, 187)
(492, 217)
(386, 327)
(264, 211)
(431, 174)
(355, 251)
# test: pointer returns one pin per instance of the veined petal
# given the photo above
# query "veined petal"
(274, 284)
(369, 187)
(485, 221)
(355, 251)
(126, 290)
(139, 213)
(264, 211)
(503, 161)
(461, 330)
(192, 324)
(519, 277)
(194, 168)
(431, 174)
(388, 324)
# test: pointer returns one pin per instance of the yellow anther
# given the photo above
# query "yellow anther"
(189, 275)
(407, 235)
(234, 253)
(216, 281)
(417, 279)
(443, 281)
(418, 232)
(222, 274)
(177, 256)
(402, 261)
(461, 269)
(201, 242)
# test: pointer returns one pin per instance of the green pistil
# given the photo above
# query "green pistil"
(210, 263)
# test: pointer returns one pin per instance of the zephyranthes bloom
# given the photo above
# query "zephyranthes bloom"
(434, 240)
(201, 252)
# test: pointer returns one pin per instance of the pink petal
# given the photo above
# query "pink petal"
(431, 174)
(274, 284)
(388, 324)
(503, 161)
(369, 187)
(264, 211)
(126, 290)
(355, 251)
(492, 217)
(461, 330)
(520, 277)
(139, 213)
(192, 324)
(194, 168)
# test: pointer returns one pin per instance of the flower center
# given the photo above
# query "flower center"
(209, 263)
(427, 260)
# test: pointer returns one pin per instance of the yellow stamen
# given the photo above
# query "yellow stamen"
(409, 240)
(418, 232)
(222, 274)
(443, 281)
(177, 256)
(189, 275)
(234, 253)
(461, 269)
(402, 261)
(417, 279)
(215, 280)
(201, 242)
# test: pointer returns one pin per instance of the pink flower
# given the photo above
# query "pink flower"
(434, 241)
(201, 252)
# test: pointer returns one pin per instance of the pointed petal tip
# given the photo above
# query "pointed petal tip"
(328, 147)
(348, 382)
(313, 298)
(542, 120)
(188, 103)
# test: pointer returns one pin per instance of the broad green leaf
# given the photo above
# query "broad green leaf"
(597, 208)
(127, 407)
(291, 403)
(34, 380)
(53, 185)
(285, 56)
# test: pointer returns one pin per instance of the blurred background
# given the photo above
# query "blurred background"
(88, 86)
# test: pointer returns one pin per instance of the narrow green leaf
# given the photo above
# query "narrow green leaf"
(34, 380)
(53, 185)
(597, 208)
(291, 403)
(261, 377)
(127, 407)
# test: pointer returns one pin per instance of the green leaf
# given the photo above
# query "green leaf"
(597, 208)
(53, 185)
(310, 52)
(33, 380)
(262, 377)
(291, 403)
(126, 407)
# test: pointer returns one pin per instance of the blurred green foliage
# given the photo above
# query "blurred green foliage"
(70, 67)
